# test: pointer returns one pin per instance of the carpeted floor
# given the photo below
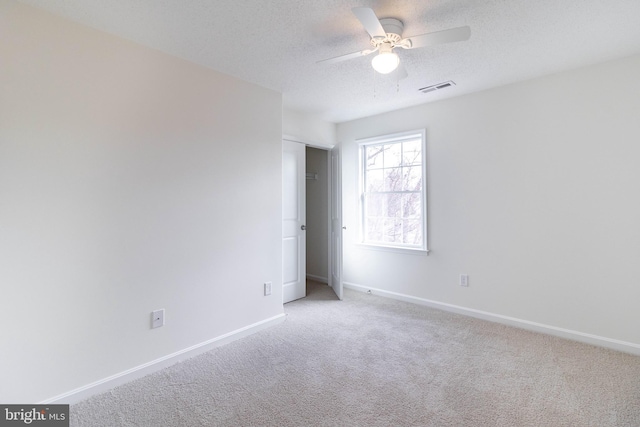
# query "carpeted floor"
(371, 361)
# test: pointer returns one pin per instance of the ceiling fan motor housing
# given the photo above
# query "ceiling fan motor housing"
(393, 28)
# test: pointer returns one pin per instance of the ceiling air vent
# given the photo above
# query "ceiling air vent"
(437, 86)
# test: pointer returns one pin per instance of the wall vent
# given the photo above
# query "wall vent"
(437, 86)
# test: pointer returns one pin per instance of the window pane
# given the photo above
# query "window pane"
(375, 180)
(411, 205)
(374, 156)
(392, 155)
(374, 227)
(412, 152)
(412, 232)
(394, 205)
(412, 178)
(374, 204)
(392, 230)
(393, 179)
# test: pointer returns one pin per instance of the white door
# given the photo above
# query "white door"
(294, 274)
(336, 222)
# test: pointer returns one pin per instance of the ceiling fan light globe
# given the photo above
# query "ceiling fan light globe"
(385, 62)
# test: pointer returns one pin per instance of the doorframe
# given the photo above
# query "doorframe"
(326, 148)
(329, 201)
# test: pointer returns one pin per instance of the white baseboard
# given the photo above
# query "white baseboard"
(614, 344)
(140, 371)
(317, 278)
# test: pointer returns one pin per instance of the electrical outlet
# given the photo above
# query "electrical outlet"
(464, 280)
(267, 288)
(157, 318)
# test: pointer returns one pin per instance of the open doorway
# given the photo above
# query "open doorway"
(318, 221)
(322, 229)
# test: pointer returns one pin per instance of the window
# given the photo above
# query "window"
(392, 191)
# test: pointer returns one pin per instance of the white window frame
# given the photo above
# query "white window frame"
(386, 139)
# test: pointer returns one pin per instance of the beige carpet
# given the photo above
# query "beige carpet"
(370, 361)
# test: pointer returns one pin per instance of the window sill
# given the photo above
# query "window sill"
(408, 251)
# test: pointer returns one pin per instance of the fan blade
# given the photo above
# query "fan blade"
(446, 36)
(347, 56)
(369, 21)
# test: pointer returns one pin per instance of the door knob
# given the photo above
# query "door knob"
(303, 227)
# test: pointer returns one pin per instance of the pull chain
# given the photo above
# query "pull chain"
(375, 84)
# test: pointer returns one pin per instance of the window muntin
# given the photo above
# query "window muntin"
(393, 191)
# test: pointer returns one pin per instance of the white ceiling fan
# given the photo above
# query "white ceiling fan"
(386, 34)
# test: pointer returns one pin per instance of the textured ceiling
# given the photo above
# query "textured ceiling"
(276, 43)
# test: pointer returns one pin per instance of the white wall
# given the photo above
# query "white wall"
(308, 128)
(317, 214)
(533, 192)
(129, 181)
